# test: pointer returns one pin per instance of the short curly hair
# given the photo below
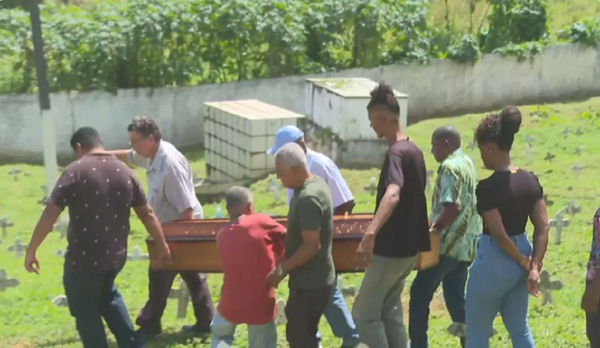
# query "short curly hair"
(146, 126)
(500, 128)
(383, 96)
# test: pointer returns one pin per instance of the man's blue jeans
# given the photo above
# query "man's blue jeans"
(452, 273)
(92, 296)
(497, 283)
(340, 319)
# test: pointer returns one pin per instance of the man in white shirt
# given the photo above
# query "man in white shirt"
(337, 313)
(172, 196)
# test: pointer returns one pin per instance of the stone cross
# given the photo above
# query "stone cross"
(528, 140)
(60, 301)
(182, 296)
(550, 157)
(4, 224)
(472, 145)
(15, 173)
(372, 186)
(579, 131)
(566, 132)
(572, 208)
(579, 150)
(577, 168)
(546, 286)
(5, 282)
(136, 254)
(559, 223)
(17, 248)
(280, 319)
(273, 187)
(529, 154)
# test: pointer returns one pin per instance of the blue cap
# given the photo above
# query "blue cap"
(284, 135)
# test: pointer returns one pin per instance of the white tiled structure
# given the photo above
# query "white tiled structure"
(340, 104)
(237, 136)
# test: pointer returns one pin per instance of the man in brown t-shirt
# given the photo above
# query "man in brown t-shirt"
(398, 232)
(100, 191)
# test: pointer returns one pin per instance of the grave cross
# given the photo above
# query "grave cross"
(273, 187)
(60, 301)
(550, 157)
(17, 248)
(577, 168)
(5, 282)
(566, 132)
(546, 286)
(579, 150)
(136, 254)
(579, 131)
(372, 186)
(528, 140)
(182, 296)
(15, 173)
(559, 223)
(4, 224)
(472, 145)
(572, 208)
(42, 201)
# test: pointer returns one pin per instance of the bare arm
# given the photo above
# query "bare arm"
(539, 218)
(44, 226)
(146, 215)
(493, 220)
(309, 248)
(390, 200)
(449, 212)
(121, 155)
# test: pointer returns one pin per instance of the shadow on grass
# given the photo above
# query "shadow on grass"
(169, 339)
(61, 342)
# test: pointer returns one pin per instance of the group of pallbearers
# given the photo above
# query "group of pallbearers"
(484, 249)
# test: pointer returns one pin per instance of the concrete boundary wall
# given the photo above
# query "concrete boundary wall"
(443, 88)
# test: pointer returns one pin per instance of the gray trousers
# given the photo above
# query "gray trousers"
(377, 309)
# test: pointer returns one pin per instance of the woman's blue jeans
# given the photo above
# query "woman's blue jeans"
(498, 284)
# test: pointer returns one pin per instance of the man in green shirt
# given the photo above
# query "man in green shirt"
(307, 247)
(454, 217)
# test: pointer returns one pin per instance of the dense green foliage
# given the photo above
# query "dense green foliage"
(107, 45)
(586, 31)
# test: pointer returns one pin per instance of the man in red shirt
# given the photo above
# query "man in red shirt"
(249, 247)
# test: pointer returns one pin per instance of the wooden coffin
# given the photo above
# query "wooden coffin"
(193, 244)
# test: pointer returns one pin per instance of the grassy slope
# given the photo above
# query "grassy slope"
(28, 317)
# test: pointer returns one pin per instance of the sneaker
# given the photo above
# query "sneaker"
(195, 329)
(148, 333)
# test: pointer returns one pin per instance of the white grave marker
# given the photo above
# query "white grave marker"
(280, 319)
(136, 255)
(18, 248)
(15, 173)
(182, 296)
(273, 187)
(60, 301)
(372, 186)
(559, 223)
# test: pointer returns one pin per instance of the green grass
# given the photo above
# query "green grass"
(28, 318)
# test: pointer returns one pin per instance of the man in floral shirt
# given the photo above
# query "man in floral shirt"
(589, 302)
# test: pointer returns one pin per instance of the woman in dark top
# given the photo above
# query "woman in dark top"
(506, 267)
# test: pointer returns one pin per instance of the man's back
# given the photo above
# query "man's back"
(248, 249)
(311, 209)
(405, 233)
(99, 191)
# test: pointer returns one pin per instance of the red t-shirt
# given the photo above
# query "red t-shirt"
(247, 249)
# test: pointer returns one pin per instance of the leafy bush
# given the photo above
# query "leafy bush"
(521, 51)
(156, 43)
(586, 32)
(466, 50)
(514, 22)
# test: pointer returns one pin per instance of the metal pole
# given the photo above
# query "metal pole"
(48, 135)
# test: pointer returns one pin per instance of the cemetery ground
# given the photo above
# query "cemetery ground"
(563, 137)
